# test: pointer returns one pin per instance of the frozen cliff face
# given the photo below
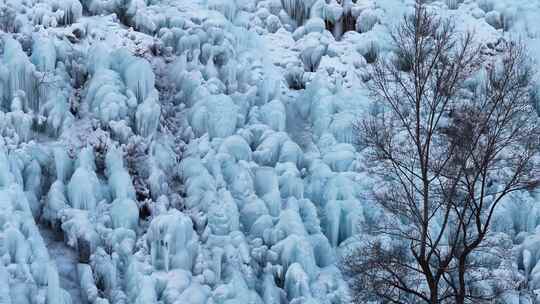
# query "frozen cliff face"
(204, 151)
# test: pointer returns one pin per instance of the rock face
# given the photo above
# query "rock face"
(204, 152)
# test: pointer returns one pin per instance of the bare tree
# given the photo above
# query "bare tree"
(454, 134)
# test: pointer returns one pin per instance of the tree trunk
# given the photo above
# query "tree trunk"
(462, 267)
(434, 293)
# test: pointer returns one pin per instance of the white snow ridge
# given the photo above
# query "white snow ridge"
(206, 151)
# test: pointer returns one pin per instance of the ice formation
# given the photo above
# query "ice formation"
(19, 75)
(204, 152)
(84, 187)
(172, 241)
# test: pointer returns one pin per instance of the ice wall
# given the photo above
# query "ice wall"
(200, 151)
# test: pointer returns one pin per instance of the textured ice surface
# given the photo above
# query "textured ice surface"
(203, 151)
(66, 260)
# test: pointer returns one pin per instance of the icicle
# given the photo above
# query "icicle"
(105, 96)
(218, 115)
(21, 122)
(5, 297)
(125, 214)
(118, 177)
(299, 10)
(271, 293)
(84, 188)
(55, 202)
(104, 270)
(86, 280)
(210, 70)
(72, 11)
(172, 239)
(226, 7)
(54, 292)
(147, 291)
(16, 245)
(63, 164)
(273, 115)
(147, 116)
(22, 75)
(137, 74)
(43, 53)
(297, 282)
